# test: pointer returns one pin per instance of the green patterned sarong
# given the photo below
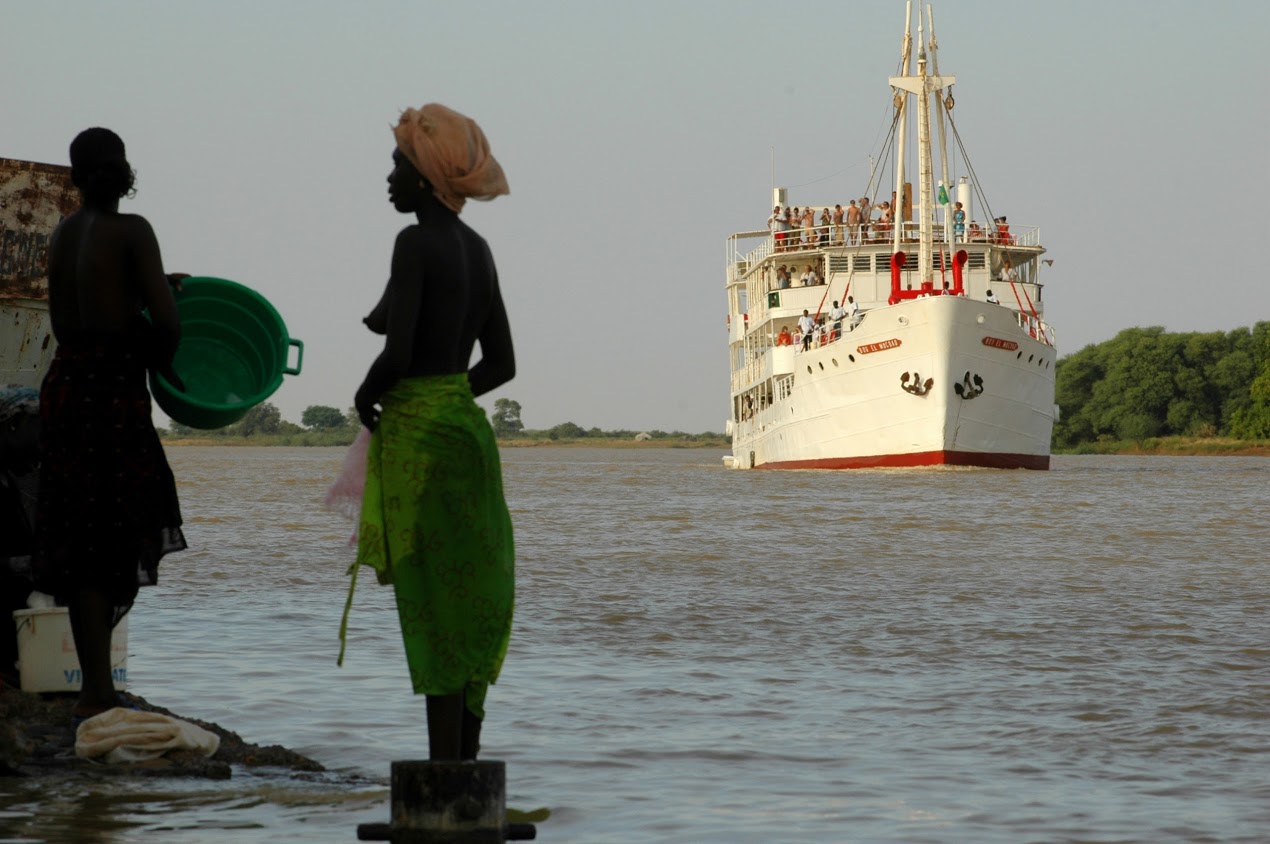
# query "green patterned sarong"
(434, 524)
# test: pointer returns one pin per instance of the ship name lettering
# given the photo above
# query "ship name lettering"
(870, 348)
(998, 343)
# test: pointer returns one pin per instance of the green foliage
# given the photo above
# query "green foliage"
(506, 418)
(320, 417)
(566, 431)
(264, 418)
(1146, 383)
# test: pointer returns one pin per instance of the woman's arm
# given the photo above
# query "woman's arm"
(156, 295)
(401, 316)
(498, 360)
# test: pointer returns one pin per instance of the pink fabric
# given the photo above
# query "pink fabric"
(451, 152)
(345, 495)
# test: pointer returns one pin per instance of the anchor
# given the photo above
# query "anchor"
(917, 388)
(968, 390)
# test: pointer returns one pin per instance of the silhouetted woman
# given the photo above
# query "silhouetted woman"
(107, 509)
(434, 523)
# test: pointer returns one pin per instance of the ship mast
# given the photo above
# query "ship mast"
(901, 104)
(941, 111)
(922, 85)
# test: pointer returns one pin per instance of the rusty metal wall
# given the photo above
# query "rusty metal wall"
(34, 198)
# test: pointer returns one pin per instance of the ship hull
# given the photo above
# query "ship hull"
(938, 381)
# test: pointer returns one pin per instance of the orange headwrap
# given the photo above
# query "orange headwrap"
(450, 151)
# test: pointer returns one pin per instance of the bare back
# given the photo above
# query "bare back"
(104, 269)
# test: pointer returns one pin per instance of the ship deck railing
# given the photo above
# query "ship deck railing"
(880, 238)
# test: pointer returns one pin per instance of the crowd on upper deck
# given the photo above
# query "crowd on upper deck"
(862, 222)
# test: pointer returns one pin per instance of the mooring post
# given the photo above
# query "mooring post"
(464, 799)
(447, 803)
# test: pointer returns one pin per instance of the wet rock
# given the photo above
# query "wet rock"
(37, 739)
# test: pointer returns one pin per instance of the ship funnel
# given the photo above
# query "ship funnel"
(780, 196)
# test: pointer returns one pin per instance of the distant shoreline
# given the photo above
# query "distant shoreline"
(266, 441)
(1162, 446)
(1176, 447)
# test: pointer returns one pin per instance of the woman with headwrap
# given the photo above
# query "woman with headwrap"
(107, 509)
(433, 521)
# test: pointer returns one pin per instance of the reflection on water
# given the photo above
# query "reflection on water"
(706, 655)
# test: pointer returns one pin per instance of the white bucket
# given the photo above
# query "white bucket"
(47, 660)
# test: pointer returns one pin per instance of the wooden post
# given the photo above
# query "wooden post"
(448, 802)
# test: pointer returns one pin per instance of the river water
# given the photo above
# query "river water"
(705, 655)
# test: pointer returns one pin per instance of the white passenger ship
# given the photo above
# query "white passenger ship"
(929, 372)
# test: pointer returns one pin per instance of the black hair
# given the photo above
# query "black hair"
(99, 165)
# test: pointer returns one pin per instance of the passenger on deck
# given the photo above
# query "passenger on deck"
(810, 279)
(959, 222)
(838, 215)
(784, 338)
(795, 228)
(884, 221)
(823, 233)
(805, 325)
(838, 314)
(854, 310)
(976, 231)
(1003, 231)
(809, 226)
(992, 299)
(866, 220)
(853, 223)
(1008, 272)
(783, 281)
(778, 232)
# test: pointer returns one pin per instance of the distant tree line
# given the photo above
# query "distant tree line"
(324, 426)
(321, 425)
(1146, 383)
(507, 424)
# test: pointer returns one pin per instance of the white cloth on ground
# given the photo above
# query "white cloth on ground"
(123, 736)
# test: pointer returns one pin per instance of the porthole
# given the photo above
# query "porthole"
(1019, 355)
(821, 364)
(835, 361)
(980, 319)
(851, 358)
(809, 370)
(1029, 358)
(903, 320)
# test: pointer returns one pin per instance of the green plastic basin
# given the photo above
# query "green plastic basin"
(232, 356)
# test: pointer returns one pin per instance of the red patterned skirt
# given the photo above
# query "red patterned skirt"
(107, 510)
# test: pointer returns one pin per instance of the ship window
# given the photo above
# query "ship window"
(851, 358)
(822, 366)
(835, 361)
(838, 263)
(976, 260)
(1029, 358)
(862, 263)
(1019, 355)
(809, 370)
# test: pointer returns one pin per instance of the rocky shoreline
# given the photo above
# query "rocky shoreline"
(37, 739)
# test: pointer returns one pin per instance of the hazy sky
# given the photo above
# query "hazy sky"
(636, 137)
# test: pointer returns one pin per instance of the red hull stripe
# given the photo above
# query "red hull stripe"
(986, 460)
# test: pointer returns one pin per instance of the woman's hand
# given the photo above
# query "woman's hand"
(171, 377)
(367, 409)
